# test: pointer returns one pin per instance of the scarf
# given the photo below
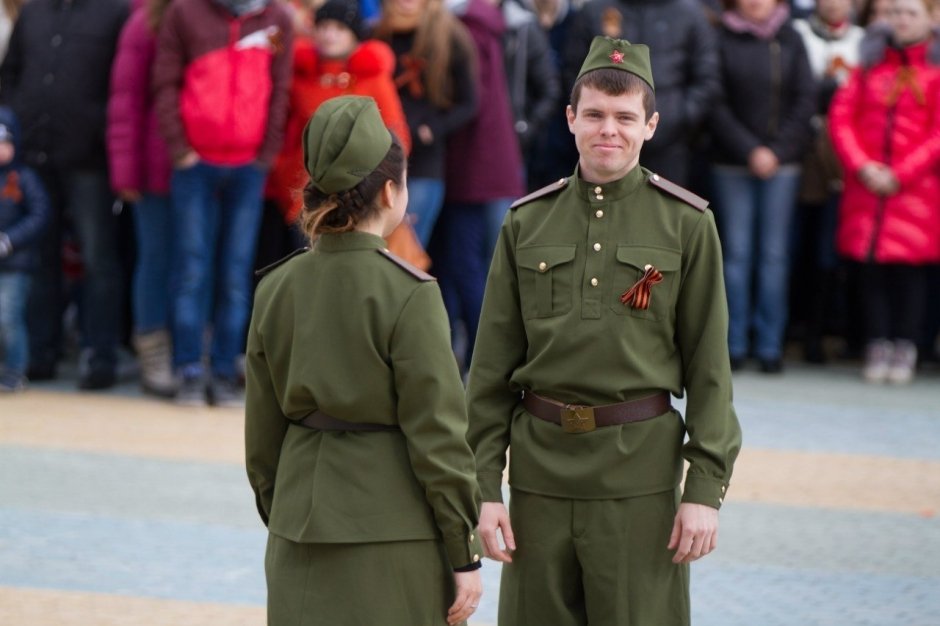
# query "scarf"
(243, 7)
(828, 32)
(735, 22)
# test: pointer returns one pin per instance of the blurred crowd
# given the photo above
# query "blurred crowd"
(150, 160)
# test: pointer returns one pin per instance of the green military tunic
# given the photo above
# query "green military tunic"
(553, 323)
(348, 330)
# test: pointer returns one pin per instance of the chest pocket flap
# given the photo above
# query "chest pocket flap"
(631, 264)
(546, 279)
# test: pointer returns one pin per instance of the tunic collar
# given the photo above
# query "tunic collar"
(351, 240)
(604, 192)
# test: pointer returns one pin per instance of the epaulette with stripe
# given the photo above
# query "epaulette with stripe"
(676, 191)
(558, 185)
(405, 265)
(267, 269)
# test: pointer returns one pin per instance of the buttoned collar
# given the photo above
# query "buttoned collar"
(606, 192)
(351, 240)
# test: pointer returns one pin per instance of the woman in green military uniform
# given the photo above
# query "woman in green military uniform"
(355, 421)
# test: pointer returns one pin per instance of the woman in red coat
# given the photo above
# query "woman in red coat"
(335, 63)
(885, 126)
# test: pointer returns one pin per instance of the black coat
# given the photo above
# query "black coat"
(56, 76)
(767, 98)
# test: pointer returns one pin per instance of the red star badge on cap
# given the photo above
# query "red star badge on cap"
(616, 56)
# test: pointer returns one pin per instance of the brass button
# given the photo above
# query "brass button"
(599, 197)
(598, 190)
(543, 266)
(594, 282)
(471, 537)
(723, 489)
(598, 214)
(597, 247)
(561, 181)
(656, 177)
(476, 558)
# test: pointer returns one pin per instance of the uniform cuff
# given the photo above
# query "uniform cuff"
(705, 490)
(491, 486)
(464, 550)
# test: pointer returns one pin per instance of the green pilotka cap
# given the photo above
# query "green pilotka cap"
(344, 141)
(618, 54)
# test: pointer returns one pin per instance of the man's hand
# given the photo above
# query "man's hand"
(469, 589)
(494, 517)
(762, 162)
(694, 533)
(187, 161)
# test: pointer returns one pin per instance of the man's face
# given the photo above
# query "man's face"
(609, 132)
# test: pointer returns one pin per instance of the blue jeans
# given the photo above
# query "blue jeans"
(216, 214)
(85, 199)
(425, 197)
(14, 338)
(153, 227)
(755, 223)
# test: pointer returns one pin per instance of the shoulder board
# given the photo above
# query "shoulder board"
(558, 185)
(405, 265)
(679, 192)
(264, 271)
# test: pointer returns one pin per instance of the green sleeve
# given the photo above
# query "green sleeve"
(265, 424)
(500, 349)
(714, 435)
(433, 418)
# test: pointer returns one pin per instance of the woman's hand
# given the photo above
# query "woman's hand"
(469, 590)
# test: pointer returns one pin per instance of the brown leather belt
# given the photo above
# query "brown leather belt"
(318, 420)
(575, 418)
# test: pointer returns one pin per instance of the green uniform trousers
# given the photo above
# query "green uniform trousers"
(597, 562)
(394, 583)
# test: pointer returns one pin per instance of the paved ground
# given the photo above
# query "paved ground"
(116, 509)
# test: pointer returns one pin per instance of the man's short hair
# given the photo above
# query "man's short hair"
(615, 83)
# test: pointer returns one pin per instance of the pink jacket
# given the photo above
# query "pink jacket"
(890, 113)
(137, 155)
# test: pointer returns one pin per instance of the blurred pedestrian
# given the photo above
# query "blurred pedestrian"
(56, 77)
(760, 129)
(435, 73)
(24, 213)
(221, 80)
(140, 176)
(355, 422)
(832, 43)
(885, 126)
(9, 11)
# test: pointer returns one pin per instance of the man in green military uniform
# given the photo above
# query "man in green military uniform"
(605, 298)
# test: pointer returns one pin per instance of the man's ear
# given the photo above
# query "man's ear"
(651, 125)
(570, 114)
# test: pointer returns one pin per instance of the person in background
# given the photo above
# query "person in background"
(885, 126)
(685, 66)
(484, 173)
(832, 44)
(534, 82)
(873, 12)
(334, 62)
(435, 73)
(551, 153)
(760, 130)
(355, 422)
(24, 213)
(56, 77)
(140, 175)
(221, 82)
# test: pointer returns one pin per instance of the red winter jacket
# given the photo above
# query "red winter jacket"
(890, 113)
(221, 81)
(367, 72)
(137, 155)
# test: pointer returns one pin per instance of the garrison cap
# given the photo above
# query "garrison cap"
(344, 142)
(618, 54)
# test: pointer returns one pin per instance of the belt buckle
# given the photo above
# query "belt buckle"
(577, 419)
